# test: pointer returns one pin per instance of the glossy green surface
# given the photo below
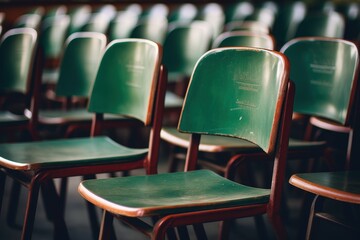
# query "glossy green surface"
(244, 39)
(184, 45)
(330, 24)
(126, 81)
(323, 71)
(53, 35)
(17, 50)
(66, 153)
(171, 193)
(79, 64)
(248, 92)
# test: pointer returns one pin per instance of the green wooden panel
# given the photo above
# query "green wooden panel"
(17, 50)
(248, 85)
(184, 45)
(172, 193)
(126, 79)
(323, 71)
(79, 64)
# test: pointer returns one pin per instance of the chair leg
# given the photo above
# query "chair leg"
(94, 223)
(260, 227)
(106, 226)
(63, 194)
(52, 201)
(315, 206)
(13, 204)
(224, 230)
(33, 194)
(183, 233)
(278, 226)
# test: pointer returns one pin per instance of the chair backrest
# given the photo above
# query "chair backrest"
(227, 97)
(53, 35)
(151, 28)
(263, 15)
(287, 21)
(79, 15)
(122, 25)
(184, 45)
(17, 52)
(79, 63)
(324, 71)
(30, 20)
(238, 11)
(185, 12)
(155, 10)
(213, 13)
(244, 39)
(324, 24)
(126, 80)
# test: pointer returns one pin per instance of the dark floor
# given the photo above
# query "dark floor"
(79, 227)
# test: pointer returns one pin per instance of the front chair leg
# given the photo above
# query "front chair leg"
(33, 194)
(106, 226)
(278, 226)
(316, 205)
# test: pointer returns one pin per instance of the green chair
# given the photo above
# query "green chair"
(151, 28)
(326, 70)
(79, 15)
(244, 39)
(73, 83)
(245, 108)
(122, 25)
(51, 41)
(264, 15)
(30, 20)
(183, 46)
(135, 87)
(213, 13)
(238, 11)
(155, 10)
(16, 80)
(287, 21)
(322, 24)
(185, 12)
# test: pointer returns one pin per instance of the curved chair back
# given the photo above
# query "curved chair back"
(17, 52)
(244, 39)
(53, 35)
(155, 10)
(238, 11)
(79, 64)
(324, 71)
(253, 98)
(122, 25)
(184, 45)
(184, 12)
(132, 77)
(287, 21)
(213, 13)
(324, 24)
(151, 28)
(79, 15)
(263, 15)
(30, 20)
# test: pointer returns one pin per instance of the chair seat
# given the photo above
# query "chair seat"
(210, 143)
(168, 193)
(73, 115)
(341, 186)
(9, 118)
(66, 153)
